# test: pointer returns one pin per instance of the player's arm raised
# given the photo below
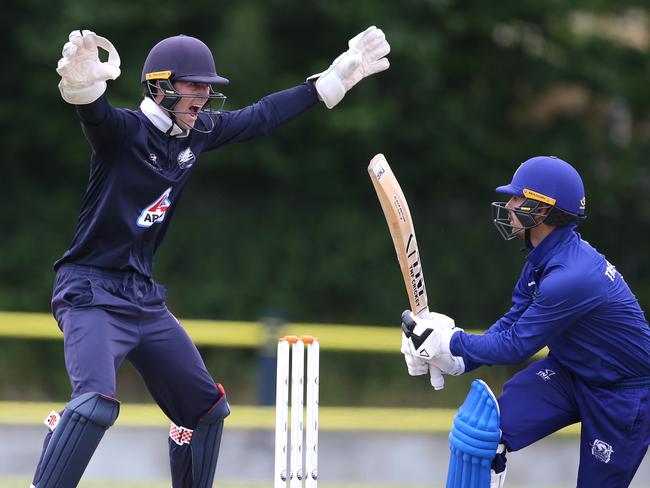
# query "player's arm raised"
(83, 75)
(366, 56)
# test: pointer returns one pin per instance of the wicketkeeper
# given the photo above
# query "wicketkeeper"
(570, 299)
(105, 299)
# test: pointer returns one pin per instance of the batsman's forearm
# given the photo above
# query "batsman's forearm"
(490, 349)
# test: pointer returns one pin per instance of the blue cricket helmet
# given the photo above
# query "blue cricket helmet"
(549, 180)
(553, 194)
(181, 58)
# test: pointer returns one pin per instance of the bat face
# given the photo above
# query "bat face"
(415, 274)
(399, 221)
(401, 228)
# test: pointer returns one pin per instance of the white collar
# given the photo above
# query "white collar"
(160, 119)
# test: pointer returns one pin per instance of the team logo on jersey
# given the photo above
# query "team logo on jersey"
(155, 212)
(545, 374)
(601, 450)
(186, 158)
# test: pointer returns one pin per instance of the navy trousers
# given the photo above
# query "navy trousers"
(108, 316)
(615, 434)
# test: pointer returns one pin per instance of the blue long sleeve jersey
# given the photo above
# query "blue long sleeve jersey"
(571, 299)
(138, 171)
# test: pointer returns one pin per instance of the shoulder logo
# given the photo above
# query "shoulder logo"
(155, 212)
(610, 271)
(186, 158)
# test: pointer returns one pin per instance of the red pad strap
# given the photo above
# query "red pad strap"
(180, 435)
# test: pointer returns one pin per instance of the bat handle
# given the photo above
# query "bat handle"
(437, 380)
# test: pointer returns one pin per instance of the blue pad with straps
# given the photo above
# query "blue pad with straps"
(75, 438)
(473, 439)
(205, 443)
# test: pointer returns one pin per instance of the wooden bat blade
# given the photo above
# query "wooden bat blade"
(401, 228)
(400, 224)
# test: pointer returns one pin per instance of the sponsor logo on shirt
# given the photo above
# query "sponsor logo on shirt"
(546, 374)
(155, 212)
(601, 450)
(186, 158)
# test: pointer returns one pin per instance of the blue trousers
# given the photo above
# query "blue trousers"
(615, 434)
(108, 316)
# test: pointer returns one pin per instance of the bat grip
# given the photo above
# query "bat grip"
(437, 380)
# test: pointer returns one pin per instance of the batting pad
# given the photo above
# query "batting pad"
(205, 443)
(82, 425)
(473, 439)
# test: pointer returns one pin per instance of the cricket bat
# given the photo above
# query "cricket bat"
(399, 221)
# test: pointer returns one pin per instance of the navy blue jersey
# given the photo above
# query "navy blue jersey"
(140, 164)
(571, 299)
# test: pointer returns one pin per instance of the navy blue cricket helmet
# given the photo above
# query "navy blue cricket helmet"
(181, 58)
(545, 182)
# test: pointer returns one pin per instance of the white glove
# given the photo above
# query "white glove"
(83, 75)
(417, 366)
(364, 57)
(429, 336)
(448, 364)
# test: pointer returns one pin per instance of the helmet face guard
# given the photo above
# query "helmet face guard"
(530, 214)
(171, 96)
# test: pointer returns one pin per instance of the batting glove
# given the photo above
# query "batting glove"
(429, 336)
(365, 57)
(448, 364)
(417, 366)
(83, 75)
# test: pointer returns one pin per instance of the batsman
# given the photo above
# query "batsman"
(105, 299)
(570, 299)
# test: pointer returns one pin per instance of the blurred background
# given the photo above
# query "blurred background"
(289, 225)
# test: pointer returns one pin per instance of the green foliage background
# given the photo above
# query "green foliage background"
(290, 221)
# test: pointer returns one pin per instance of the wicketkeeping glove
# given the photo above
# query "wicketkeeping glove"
(365, 57)
(83, 75)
